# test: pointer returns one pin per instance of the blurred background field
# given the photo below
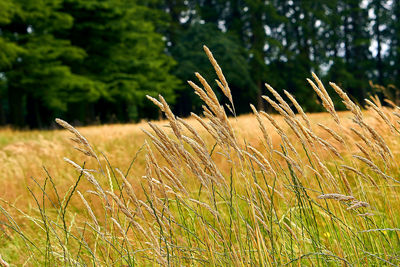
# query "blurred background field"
(23, 154)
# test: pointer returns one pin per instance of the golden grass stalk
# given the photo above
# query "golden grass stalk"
(88, 175)
(131, 193)
(326, 101)
(347, 102)
(367, 214)
(79, 138)
(211, 104)
(128, 213)
(376, 100)
(382, 115)
(391, 103)
(326, 172)
(377, 138)
(264, 194)
(364, 151)
(251, 157)
(3, 263)
(298, 131)
(375, 168)
(90, 211)
(167, 153)
(335, 196)
(282, 102)
(325, 144)
(306, 132)
(164, 139)
(275, 106)
(322, 89)
(346, 183)
(290, 161)
(122, 232)
(358, 204)
(156, 102)
(225, 88)
(195, 134)
(174, 180)
(359, 173)
(332, 133)
(171, 117)
(205, 158)
(208, 89)
(362, 136)
(267, 137)
(209, 129)
(274, 123)
(262, 159)
(298, 108)
(290, 230)
(205, 205)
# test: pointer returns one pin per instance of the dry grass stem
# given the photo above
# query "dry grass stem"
(358, 204)
(267, 138)
(382, 115)
(347, 102)
(335, 196)
(367, 214)
(282, 102)
(90, 211)
(225, 88)
(326, 101)
(299, 109)
(333, 133)
(275, 106)
(3, 263)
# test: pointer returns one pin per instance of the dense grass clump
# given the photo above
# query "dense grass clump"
(293, 189)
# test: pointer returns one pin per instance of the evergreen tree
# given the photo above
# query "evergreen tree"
(353, 71)
(392, 59)
(35, 70)
(380, 34)
(124, 55)
(79, 59)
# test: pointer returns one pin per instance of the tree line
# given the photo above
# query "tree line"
(94, 61)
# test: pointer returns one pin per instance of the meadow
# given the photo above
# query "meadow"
(288, 188)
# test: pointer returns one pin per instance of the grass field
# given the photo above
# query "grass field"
(261, 190)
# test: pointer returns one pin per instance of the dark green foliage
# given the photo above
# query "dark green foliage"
(356, 42)
(34, 71)
(94, 61)
(80, 59)
(124, 56)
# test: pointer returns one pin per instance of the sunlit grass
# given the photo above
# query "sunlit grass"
(213, 191)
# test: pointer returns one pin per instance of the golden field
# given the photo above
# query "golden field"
(23, 154)
(292, 189)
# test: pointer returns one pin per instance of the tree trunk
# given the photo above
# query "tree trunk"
(2, 114)
(33, 118)
(379, 41)
(257, 49)
(16, 103)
